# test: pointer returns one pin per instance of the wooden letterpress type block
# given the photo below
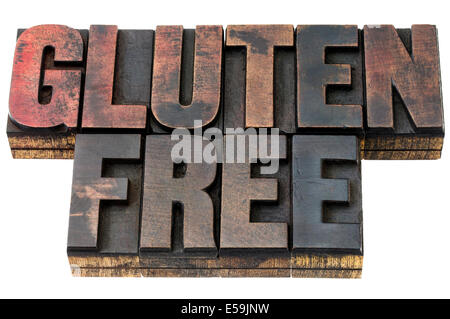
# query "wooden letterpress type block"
(403, 93)
(134, 63)
(329, 83)
(45, 91)
(327, 206)
(105, 205)
(186, 84)
(178, 207)
(52, 143)
(259, 88)
(239, 190)
(255, 214)
(133, 68)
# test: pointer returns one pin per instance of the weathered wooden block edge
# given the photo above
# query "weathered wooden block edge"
(63, 147)
(222, 273)
(299, 266)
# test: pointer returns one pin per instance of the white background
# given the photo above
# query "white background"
(406, 212)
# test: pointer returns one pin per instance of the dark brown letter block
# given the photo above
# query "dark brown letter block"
(45, 92)
(327, 209)
(250, 103)
(255, 214)
(169, 192)
(403, 91)
(105, 206)
(186, 82)
(98, 110)
(319, 77)
(239, 191)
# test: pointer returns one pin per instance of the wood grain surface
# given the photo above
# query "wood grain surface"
(316, 74)
(403, 92)
(106, 195)
(164, 190)
(316, 223)
(239, 192)
(198, 77)
(45, 91)
(259, 42)
(98, 110)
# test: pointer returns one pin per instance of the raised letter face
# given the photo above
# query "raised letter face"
(315, 75)
(206, 78)
(90, 188)
(164, 189)
(239, 190)
(98, 110)
(26, 106)
(415, 76)
(260, 41)
(315, 226)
